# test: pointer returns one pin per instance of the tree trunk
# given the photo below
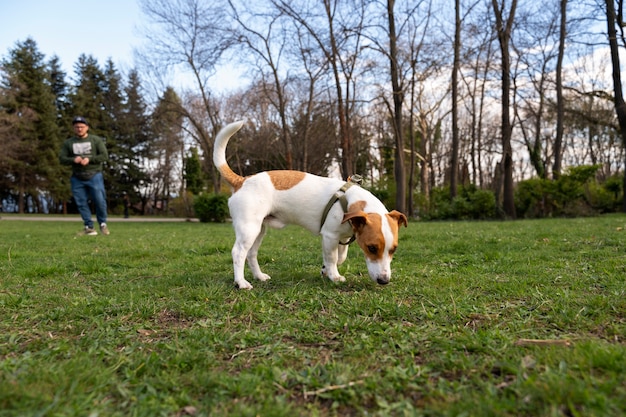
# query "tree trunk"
(454, 160)
(560, 106)
(398, 98)
(620, 105)
(504, 35)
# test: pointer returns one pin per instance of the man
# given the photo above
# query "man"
(86, 153)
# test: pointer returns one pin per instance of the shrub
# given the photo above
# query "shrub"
(482, 203)
(566, 196)
(211, 207)
(182, 205)
(531, 198)
(605, 198)
(471, 203)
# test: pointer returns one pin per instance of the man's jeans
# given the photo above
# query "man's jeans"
(93, 188)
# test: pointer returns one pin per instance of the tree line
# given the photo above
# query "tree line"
(428, 102)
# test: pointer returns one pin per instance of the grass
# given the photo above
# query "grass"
(147, 322)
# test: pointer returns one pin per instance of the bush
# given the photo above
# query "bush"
(606, 198)
(211, 207)
(567, 196)
(531, 198)
(182, 206)
(482, 203)
(471, 203)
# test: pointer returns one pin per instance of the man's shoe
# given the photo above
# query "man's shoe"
(90, 231)
(104, 229)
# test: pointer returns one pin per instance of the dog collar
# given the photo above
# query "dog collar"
(340, 195)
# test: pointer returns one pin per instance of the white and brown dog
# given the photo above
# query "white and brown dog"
(278, 198)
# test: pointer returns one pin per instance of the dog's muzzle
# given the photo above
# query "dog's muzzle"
(382, 280)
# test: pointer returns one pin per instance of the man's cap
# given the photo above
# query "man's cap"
(80, 119)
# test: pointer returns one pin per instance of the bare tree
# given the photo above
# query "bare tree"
(536, 50)
(614, 20)
(337, 35)
(265, 37)
(477, 66)
(398, 100)
(454, 158)
(188, 37)
(560, 103)
(504, 26)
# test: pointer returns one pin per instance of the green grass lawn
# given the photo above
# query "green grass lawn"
(523, 318)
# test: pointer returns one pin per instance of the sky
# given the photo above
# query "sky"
(68, 28)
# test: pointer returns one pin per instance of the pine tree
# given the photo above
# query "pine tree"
(135, 135)
(167, 146)
(34, 136)
(193, 172)
(60, 187)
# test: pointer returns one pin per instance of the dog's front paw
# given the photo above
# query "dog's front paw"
(333, 277)
(243, 285)
(338, 278)
(263, 277)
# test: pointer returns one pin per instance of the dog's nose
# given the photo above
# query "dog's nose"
(382, 280)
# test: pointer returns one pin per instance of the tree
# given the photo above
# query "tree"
(189, 37)
(560, 102)
(263, 35)
(398, 100)
(613, 19)
(193, 173)
(132, 138)
(454, 158)
(31, 124)
(167, 145)
(536, 49)
(504, 26)
(337, 37)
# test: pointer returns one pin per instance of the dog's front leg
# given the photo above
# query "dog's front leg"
(253, 262)
(342, 251)
(330, 251)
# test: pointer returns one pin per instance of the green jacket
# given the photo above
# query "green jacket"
(91, 147)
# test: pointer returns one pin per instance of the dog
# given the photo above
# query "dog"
(339, 211)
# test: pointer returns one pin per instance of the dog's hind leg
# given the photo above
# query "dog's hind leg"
(253, 262)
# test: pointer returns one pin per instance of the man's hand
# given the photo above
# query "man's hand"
(81, 160)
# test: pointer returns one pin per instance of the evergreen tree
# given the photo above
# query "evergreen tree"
(167, 146)
(28, 105)
(113, 128)
(135, 135)
(87, 97)
(193, 172)
(60, 188)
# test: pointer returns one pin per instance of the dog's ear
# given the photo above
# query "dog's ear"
(357, 218)
(399, 217)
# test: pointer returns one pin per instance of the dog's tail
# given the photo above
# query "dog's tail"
(219, 154)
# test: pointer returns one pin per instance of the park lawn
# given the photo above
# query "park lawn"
(524, 318)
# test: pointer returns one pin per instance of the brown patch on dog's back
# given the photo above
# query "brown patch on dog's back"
(285, 179)
(357, 206)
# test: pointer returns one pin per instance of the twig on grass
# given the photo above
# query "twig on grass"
(332, 388)
(543, 342)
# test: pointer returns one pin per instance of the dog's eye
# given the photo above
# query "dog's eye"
(372, 249)
(392, 251)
